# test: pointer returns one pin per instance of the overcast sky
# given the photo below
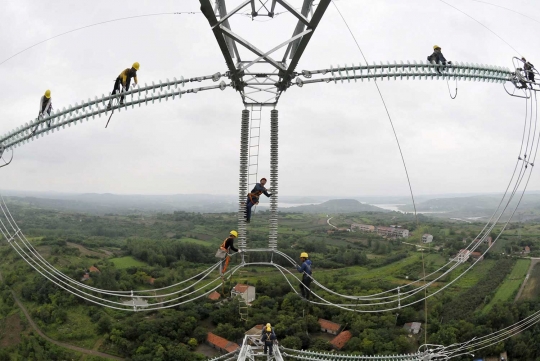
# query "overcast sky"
(334, 139)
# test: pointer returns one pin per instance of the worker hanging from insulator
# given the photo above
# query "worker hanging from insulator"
(224, 250)
(45, 107)
(253, 197)
(305, 269)
(437, 57)
(124, 79)
(528, 70)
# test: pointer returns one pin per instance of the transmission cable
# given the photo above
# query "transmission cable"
(502, 7)
(494, 33)
(387, 111)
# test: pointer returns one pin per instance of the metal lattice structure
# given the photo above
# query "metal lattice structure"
(261, 78)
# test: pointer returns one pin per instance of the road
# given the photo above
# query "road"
(534, 261)
(330, 224)
(57, 343)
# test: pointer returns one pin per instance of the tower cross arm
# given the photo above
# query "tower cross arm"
(207, 10)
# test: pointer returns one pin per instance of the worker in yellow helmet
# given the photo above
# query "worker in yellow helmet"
(437, 57)
(125, 79)
(306, 271)
(224, 251)
(268, 337)
(45, 108)
(45, 104)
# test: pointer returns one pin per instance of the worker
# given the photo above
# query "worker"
(45, 104)
(253, 197)
(268, 325)
(528, 69)
(305, 269)
(227, 246)
(268, 338)
(125, 79)
(437, 57)
(45, 108)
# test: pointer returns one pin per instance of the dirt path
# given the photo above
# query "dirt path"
(534, 261)
(85, 251)
(57, 343)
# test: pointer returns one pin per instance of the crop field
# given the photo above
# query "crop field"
(126, 262)
(532, 287)
(511, 284)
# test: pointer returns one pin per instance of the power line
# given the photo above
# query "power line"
(112, 21)
(502, 7)
(387, 112)
(494, 33)
(92, 25)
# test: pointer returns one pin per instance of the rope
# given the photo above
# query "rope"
(449, 92)
(387, 112)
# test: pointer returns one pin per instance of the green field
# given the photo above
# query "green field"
(532, 287)
(471, 278)
(511, 284)
(196, 241)
(126, 262)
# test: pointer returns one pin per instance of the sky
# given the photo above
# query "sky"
(335, 139)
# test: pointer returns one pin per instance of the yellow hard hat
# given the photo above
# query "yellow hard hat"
(304, 255)
(47, 94)
(268, 329)
(268, 325)
(436, 47)
(136, 65)
(234, 233)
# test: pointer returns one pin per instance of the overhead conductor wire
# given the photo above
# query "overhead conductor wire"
(494, 33)
(387, 112)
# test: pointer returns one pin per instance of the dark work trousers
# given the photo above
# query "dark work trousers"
(304, 286)
(117, 85)
(249, 205)
(268, 346)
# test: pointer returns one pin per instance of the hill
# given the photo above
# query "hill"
(336, 206)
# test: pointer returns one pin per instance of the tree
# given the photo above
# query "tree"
(192, 343)
(104, 325)
(293, 342)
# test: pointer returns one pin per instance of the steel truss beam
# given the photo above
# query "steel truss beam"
(228, 39)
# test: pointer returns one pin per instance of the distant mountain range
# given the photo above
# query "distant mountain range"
(336, 206)
(447, 206)
(478, 206)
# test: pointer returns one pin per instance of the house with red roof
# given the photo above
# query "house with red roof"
(247, 292)
(329, 326)
(341, 340)
(221, 344)
(94, 269)
(214, 296)
(527, 249)
(477, 256)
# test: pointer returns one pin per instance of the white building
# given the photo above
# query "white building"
(427, 238)
(363, 227)
(462, 256)
(245, 291)
(393, 232)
